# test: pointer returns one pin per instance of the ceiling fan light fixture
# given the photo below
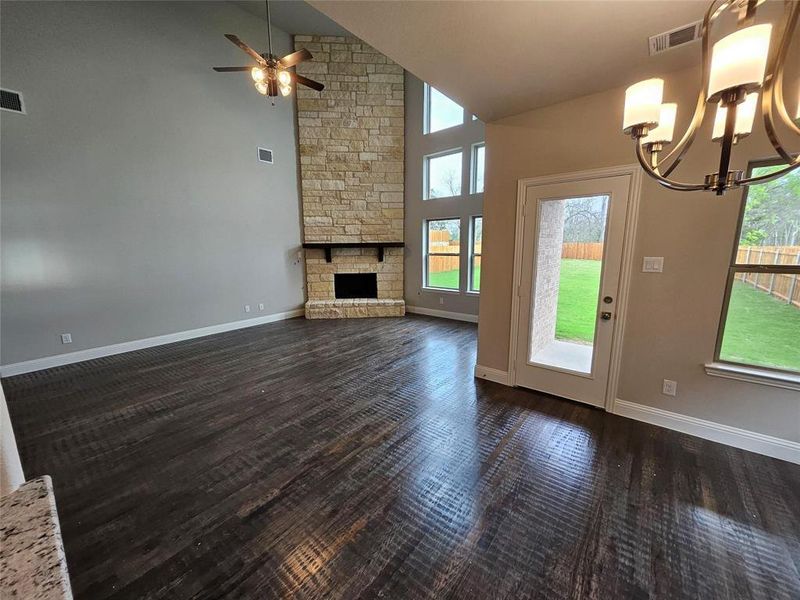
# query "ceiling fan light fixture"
(270, 72)
(258, 74)
(284, 77)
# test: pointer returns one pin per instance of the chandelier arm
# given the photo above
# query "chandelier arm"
(772, 98)
(682, 147)
(770, 176)
(653, 172)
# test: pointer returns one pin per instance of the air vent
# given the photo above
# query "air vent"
(265, 155)
(10, 100)
(675, 37)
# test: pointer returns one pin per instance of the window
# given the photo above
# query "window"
(478, 166)
(443, 249)
(440, 111)
(443, 175)
(476, 243)
(760, 325)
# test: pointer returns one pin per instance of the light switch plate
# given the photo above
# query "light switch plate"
(669, 387)
(653, 264)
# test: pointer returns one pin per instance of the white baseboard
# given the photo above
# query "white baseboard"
(724, 434)
(442, 314)
(58, 360)
(490, 374)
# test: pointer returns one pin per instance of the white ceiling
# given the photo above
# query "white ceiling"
(293, 16)
(502, 58)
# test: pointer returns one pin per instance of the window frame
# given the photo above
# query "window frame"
(426, 110)
(426, 168)
(770, 374)
(473, 170)
(472, 254)
(427, 253)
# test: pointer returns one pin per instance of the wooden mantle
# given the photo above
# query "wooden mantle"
(328, 246)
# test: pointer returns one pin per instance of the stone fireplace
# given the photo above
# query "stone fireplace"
(351, 141)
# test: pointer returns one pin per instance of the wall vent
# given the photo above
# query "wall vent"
(675, 37)
(11, 100)
(265, 155)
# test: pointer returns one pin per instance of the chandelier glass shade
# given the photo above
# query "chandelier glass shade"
(740, 70)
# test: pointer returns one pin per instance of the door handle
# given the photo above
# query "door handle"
(606, 316)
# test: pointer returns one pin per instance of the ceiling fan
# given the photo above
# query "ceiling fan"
(270, 73)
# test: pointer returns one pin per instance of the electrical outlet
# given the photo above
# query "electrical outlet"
(441, 300)
(669, 388)
(246, 308)
(66, 338)
(261, 306)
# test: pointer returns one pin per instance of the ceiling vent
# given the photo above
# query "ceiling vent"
(265, 155)
(675, 37)
(12, 101)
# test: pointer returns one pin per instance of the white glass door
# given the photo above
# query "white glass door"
(573, 236)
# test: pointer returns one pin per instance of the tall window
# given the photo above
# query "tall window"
(760, 323)
(443, 175)
(478, 162)
(476, 244)
(440, 111)
(442, 251)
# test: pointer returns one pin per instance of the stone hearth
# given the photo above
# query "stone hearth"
(351, 141)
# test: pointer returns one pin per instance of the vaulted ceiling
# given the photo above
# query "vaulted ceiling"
(502, 58)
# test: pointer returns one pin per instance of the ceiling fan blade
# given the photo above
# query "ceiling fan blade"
(295, 57)
(314, 85)
(245, 47)
(230, 69)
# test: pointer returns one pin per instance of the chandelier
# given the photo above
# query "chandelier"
(740, 69)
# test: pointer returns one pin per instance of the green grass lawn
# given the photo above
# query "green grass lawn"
(761, 330)
(449, 279)
(577, 300)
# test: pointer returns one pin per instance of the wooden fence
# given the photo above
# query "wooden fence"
(439, 241)
(582, 250)
(781, 285)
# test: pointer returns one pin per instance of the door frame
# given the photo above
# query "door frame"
(628, 243)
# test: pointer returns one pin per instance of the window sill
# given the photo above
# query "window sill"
(754, 375)
(440, 290)
(473, 293)
(435, 198)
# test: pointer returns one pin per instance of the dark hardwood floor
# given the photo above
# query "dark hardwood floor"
(360, 459)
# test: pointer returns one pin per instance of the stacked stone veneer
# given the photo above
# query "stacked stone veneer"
(548, 272)
(351, 164)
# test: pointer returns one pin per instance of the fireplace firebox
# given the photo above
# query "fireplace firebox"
(355, 285)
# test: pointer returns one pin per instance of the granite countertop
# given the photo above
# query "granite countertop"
(32, 561)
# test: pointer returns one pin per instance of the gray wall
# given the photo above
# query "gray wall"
(418, 210)
(132, 201)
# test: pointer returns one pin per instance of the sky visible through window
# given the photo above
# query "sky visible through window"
(480, 152)
(443, 112)
(444, 175)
